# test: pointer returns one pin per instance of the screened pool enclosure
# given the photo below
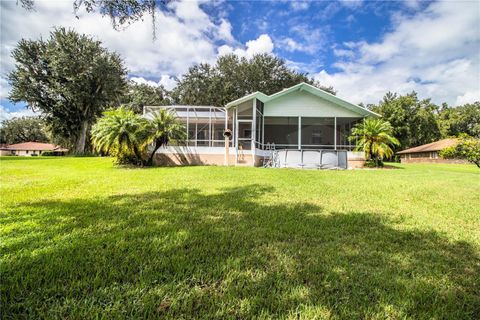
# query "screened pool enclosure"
(251, 129)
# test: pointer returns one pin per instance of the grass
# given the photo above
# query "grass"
(81, 239)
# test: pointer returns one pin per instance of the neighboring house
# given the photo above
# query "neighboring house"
(32, 149)
(3, 150)
(302, 117)
(429, 153)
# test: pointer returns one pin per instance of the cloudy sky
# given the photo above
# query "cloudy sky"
(362, 48)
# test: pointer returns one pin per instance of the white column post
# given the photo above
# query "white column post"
(236, 135)
(299, 133)
(254, 128)
(335, 133)
(188, 123)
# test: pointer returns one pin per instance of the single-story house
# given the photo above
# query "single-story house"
(32, 149)
(301, 117)
(429, 153)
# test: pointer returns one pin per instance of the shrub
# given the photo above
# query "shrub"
(468, 148)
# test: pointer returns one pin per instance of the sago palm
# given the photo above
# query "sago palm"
(121, 133)
(164, 128)
(374, 137)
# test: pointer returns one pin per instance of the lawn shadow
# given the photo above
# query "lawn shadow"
(187, 254)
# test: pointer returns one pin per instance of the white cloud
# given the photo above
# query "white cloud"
(225, 31)
(6, 114)
(263, 44)
(166, 81)
(352, 4)
(4, 87)
(436, 52)
(305, 39)
(299, 5)
(185, 36)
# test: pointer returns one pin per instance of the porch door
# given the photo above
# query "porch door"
(244, 138)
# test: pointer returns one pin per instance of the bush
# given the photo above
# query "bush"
(48, 154)
(467, 148)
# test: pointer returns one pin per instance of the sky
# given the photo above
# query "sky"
(361, 48)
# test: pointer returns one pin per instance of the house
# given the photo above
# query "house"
(429, 153)
(32, 149)
(301, 117)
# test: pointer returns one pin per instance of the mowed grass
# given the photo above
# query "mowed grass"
(82, 239)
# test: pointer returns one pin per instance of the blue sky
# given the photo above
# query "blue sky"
(362, 48)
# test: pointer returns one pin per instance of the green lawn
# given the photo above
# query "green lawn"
(82, 239)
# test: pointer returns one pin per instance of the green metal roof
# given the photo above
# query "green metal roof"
(310, 89)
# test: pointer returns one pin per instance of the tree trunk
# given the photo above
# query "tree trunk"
(152, 155)
(82, 137)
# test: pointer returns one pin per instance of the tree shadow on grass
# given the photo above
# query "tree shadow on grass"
(232, 254)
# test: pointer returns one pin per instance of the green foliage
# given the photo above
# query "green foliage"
(121, 12)
(70, 78)
(140, 95)
(48, 153)
(23, 129)
(414, 121)
(460, 119)
(164, 128)
(375, 138)
(232, 77)
(122, 134)
(127, 136)
(81, 239)
(467, 148)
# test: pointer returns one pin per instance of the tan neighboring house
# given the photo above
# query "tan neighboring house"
(31, 149)
(429, 153)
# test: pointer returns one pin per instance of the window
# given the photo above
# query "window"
(283, 131)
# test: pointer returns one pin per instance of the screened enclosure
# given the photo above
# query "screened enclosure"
(204, 125)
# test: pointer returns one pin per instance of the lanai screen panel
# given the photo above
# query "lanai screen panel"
(204, 124)
(344, 130)
(318, 133)
(283, 131)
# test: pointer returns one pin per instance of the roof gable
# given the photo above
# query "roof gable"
(310, 89)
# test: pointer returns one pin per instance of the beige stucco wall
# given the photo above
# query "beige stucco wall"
(303, 104)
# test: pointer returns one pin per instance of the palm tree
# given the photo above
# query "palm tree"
(374, 137)
(164, 128)
(121, 133)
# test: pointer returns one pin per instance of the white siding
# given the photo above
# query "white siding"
(304, 104)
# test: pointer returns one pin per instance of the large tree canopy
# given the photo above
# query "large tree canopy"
(461, 119)
(140, 95)
(414, 121)
(120, 12)
(23, 129)
(232, 77)
(71, 78)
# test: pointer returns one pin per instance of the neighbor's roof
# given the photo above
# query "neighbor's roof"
(309, 88)
(434, 146)
(35, 146)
